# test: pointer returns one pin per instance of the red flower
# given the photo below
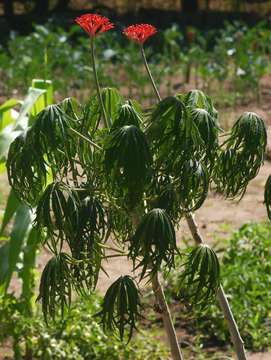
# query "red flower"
(140, 32)
(94, 24)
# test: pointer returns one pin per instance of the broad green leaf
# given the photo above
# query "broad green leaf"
(46, 98)
(14, 247)
(11, 207)
(4, 264)
(29, 101)
(6, 114)
(6, 138)
(28, 270)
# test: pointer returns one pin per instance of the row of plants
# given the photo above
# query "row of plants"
(227, 62)
(109, 169)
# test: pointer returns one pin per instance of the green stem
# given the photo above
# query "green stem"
(85, 138)
(149, 73)
(106, 120)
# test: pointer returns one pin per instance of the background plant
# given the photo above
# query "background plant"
(77, 336)
(245, 275)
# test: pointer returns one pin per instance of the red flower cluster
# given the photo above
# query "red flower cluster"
(94, 24)
(140, 32)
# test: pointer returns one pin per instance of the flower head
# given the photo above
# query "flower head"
(94, 24)
(140, 32)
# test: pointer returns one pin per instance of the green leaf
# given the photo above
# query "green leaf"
(11, 207)
(27, 274)
(200, 280)
(6, 138)
(27, 105)
(46, 98)
(112, 101)
(154, 241)
(56, 284)
(6, 115)
(174, 136)
(12, 250)
(241, 156)
(121, 307)
(127, 115)
(127, 162)
(267, 196)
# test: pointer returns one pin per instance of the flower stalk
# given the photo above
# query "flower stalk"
(149, 73)
(106, 119)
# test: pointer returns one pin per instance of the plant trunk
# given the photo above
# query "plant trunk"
(163, 309)
(221, 297)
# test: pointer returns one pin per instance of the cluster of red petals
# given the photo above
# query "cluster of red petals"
(94, 24)
(140, 32)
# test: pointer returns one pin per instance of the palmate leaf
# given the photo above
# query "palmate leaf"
(71, 108)
(164, 195)
(249, 134)
(51, 132)
(205, 117)
(119, 223)
(127, 162)
(267, 196)
(47, 142)
(78, 219)
(121, 307)
(26, 168)
(127, 115)
(200, 280)
(192, 185)
(112, 101)
(58, 212)
(173, 135)
(56, 285)
(209, 131)
(196, 99)
(154, 241)
(241, 156)
(84, 241)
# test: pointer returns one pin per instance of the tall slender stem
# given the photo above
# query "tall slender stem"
(106, 120)
(166, 316)
(162, 308)
(221, 297)
(149, 73)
